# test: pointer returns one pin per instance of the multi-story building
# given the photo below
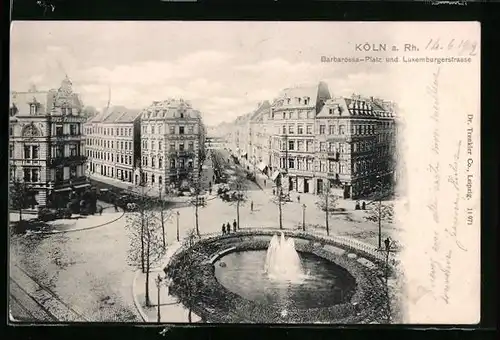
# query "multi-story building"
(113, 143)
(172, 144)
(258, 139)
(355, 145)
(292, 116)
(45, 144)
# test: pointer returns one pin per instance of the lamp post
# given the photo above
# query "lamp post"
(158, 281)
(304, 217)
(177, 213)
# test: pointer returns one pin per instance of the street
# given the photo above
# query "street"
(85, 275)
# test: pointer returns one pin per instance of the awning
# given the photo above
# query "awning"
(261, 166)
(63, 189)
(275, 175)
(82, 186)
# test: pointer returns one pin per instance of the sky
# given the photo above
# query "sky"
(224, 68)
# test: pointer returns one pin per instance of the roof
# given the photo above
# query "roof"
(116, 114)
(355, 106)
(22, 100)
(46, 100)
(169, 108)
(263, 108)
(312, 92)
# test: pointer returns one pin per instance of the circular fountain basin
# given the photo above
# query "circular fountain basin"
(322, 284)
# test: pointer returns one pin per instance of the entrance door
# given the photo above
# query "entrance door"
(319, 187)
(290, 184)
(347, 191)
(306, 185)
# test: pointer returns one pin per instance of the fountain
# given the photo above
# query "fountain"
(283, 261)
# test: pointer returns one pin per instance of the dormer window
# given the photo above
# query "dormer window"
(299, 100)
(63, 110)
(288, 100)
(13, 111)
(33, 109)
(306, 101)
(182, 115)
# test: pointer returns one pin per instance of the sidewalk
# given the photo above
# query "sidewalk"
(78, 223)
(171, 311)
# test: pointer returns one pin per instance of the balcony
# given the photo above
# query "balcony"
(183, 153)
(67, 136)
(67, 161)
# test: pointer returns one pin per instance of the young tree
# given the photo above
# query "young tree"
(380, 212)
(280, 200)
(163, 216)
(146, 246)
(240, 196)
(21, 196)
(327, 202)
(197, 202)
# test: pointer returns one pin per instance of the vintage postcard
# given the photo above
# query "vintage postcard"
(245, 172)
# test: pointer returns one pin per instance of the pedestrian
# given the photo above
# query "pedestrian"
(357, 207)
(223, 229)
(274, 191)
(235, 225)
(228, 228)
(209, 184)
(100, 210)
(116, 206)
(251, 206)
(298, 198)
(363, 206)
(265, 182)
(387, 244)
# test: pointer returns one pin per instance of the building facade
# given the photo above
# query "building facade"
(313, 140)
(113, 143)
(172, 145)
(46, 142)
(293, 116)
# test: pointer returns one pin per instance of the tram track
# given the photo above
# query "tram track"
(42, 298)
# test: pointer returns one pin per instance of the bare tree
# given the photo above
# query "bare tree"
(197, 202)
(146, 246)
(240, 196)
(327, 202)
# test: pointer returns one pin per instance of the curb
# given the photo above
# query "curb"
(136, 303)
(81, 229)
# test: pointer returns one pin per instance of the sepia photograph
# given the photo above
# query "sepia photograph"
(244, 172)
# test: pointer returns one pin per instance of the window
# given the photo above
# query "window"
(172, 130)
(59, 130)
(190, 164)
(152, 129)
(159, 180)
(172, 147)
(130, 145)
(331, 146)
(27, 175)
(130, 160)
(172, 163)
(121, 159)
(291, 163)
(34, 175)
(331, 111)
(341, 129)
(160, 163)
(291, 145)
(283, 146)
(11, 151)
(309, 146)
(130, 131)
(309, 165)
(27, 153)
(284, 115)
(181, 146)
(153, 161)
(300, 146)
(309, 129)
(331, 166)
(33, 109)
(181, 130)
(322, 166)
(290, 129)
(159, 145)
(322, 146)
(331, 129)
(300, 129)
(191, 146)
(34, 151)
(321, 129)
(284, 129)
(191, 129)
(72, 171)
(70, 110)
